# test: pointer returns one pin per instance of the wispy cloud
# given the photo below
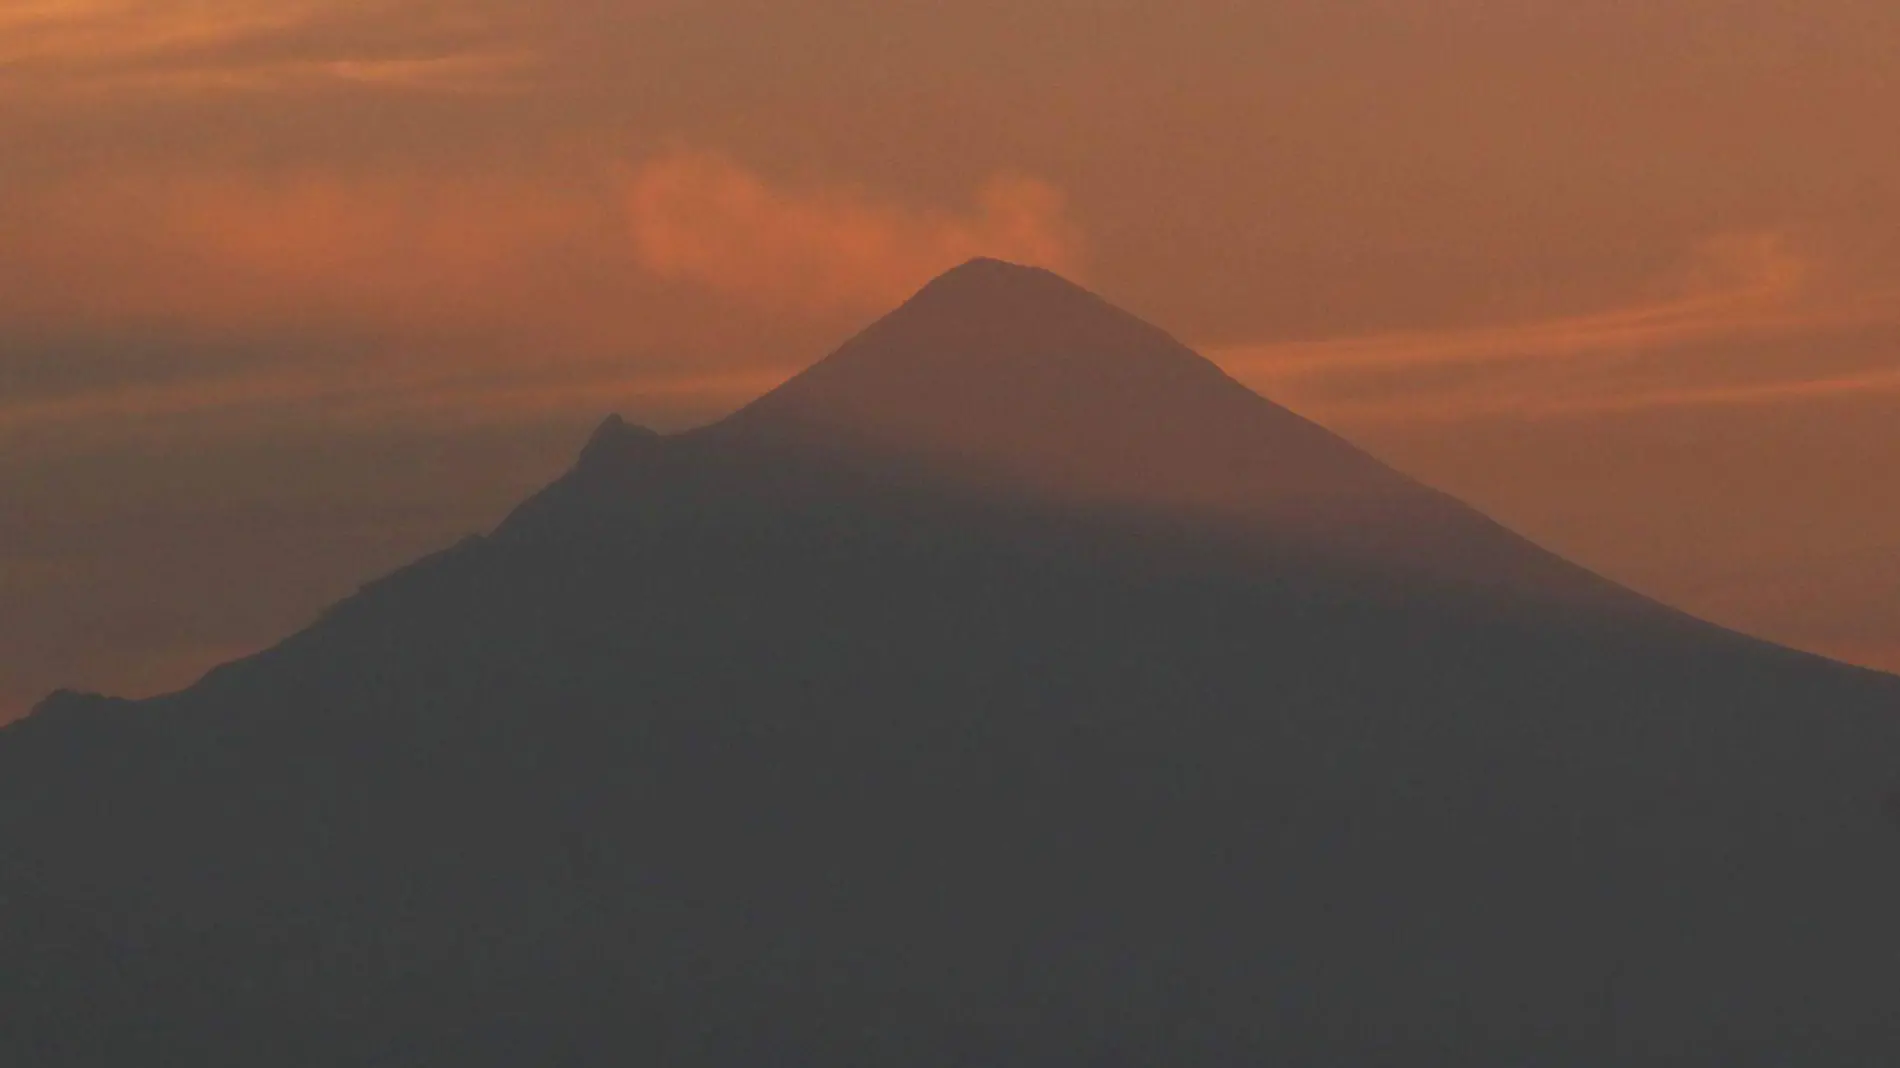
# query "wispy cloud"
(1698, 346)
(457, 254)
(702, 218)
(90, 32)
(239, 45)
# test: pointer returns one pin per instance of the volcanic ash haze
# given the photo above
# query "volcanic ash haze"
(1012, 687)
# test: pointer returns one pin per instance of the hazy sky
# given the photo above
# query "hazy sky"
(294, 290)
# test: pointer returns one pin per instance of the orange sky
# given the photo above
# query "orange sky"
(293, 291)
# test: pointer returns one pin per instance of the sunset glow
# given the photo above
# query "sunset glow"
(1625, 276)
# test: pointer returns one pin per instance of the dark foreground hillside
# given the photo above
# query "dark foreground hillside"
(1010, 689)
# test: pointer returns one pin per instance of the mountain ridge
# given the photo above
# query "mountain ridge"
(822, 736)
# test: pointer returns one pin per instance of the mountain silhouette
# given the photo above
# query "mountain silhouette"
(1012, 687)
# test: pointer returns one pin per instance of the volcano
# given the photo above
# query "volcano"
(1012, 687)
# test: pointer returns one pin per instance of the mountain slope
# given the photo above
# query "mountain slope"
(1013, 688)
(1007, 385)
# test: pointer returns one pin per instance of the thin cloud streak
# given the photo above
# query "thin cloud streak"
(1550, 403)
(1761, 291)
(109, 46)
(95, 33)
(470, 74)
(1748, 290)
